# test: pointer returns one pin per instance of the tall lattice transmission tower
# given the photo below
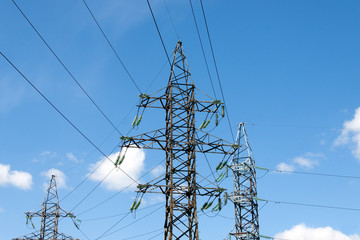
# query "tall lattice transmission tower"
(181, 141)
(244, 196)
(50, 214)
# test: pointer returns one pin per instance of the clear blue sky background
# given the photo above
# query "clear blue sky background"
(288, 68)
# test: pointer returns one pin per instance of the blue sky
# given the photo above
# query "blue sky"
(289, 69)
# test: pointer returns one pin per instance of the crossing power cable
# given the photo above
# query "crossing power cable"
(119, 214)
(291, 126)
(112, 47)
(113, 226)
(202, 49)
(171, 20)
(159, 33)
(139, 219)
(144, 234)
(94, 170)
(216, 69)
(66, 69)
(114, 195)
(308, 173)
(62, 114)
(310, 205)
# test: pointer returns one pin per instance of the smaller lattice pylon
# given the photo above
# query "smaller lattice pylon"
(50, 214)
(244, 196)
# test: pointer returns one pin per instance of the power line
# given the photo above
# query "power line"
(155, 236)
(89, 175)
(171, 20)
(66, 69)
(97, 185)
(308, 173)
(131, 223)
(119, 214)
(67, 119)
(113, 226)
(144, 234)
(291, 126)
(114, 195)
(157, 28)
(216, 68)
(202, 49)
(310, 205)
(111, 46)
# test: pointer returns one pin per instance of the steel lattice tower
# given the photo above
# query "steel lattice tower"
(50, 214)
(180, 140)
(244, 196)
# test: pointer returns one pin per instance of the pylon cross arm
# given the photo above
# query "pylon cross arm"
(157, 139)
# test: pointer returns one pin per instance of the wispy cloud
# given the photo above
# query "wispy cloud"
(60, 177)
(285, 167)
(350, 134)
(302, 232)
(10, 94)
(158, 171)
(308, 160)
(133, 165)
(44, 156)
(305, 162)
(19, 179)
(73, 158)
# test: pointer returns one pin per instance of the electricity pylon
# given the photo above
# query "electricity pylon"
(244, 196)
(50, 214)
(180, 140)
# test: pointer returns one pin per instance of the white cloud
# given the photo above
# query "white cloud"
(19, 179)
(350, 134)
(157, 171)
(1, 210)
(72, 158)
(45, 155)
(302, 232)
(285, 167)
(308, 160)
(133, 165)
(60, 177)
(305, 162)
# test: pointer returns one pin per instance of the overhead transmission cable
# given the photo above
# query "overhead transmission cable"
(120, 214)
(114, 195)
(112, 47)
(89, 175)
(202, 49)
(66, 69)
(112, 226)
(159, 33)
(308, 173)
(171, 20)
(291, 126)
(62, 114)
(139, 219)
(310, 205)
(144, 234)
(97, 185)
(216, 69)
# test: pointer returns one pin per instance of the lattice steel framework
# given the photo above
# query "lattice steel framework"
(180, 140)
(50, 214)
(244, 196)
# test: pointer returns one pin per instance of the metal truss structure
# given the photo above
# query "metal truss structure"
(244, 196)
(181, 141)
(50, 214)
